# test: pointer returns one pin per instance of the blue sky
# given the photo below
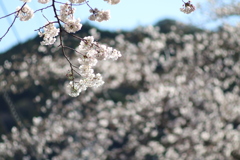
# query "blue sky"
(126, 15)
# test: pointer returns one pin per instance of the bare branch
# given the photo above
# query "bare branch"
(45, 26)
(61, 40)
(8, 15)
(12, 22)
(43, 8)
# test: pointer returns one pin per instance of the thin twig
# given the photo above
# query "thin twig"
(89, 5)
(43, 8)
(45, 17)
(77, 72)
(75, 66)
(45, 26)
(72, 49)
(75, 36)
(12, 22)
(8, 15)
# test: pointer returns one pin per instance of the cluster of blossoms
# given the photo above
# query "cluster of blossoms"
(89, 49)
(49, 34)
(98, 15)
(90, 52)
(112, 1)
(71, 25)
(25, 13)
(43, 1)
(66, 12)
(187, 7)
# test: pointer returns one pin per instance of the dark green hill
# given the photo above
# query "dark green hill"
(27, 89)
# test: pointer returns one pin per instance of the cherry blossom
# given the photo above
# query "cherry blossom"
(72, 25)
(49, 34)
(44, 1)
(25, 13)
(187, 8)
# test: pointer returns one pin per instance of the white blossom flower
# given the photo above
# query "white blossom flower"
(112, 2)
(99, 15)
(49, 34)
(97, 80)
(66, 11)
(87, 42)
(89, 48)
(113, 53)
(43, 1)
(25, 13)
(92, 17)
(73, 89)
(37, 120)
(85, 70)
(94, 80)
(72, 25)
(85, 45)
(88, 61)
(105, 52)
(82, 85)
(187, 8)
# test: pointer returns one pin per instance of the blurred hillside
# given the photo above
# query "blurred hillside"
(30, 51)
(174, 94)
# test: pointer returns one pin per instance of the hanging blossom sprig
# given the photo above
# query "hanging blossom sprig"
(49, 34)
(90, 52)
(187, 7)
(98, 15)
